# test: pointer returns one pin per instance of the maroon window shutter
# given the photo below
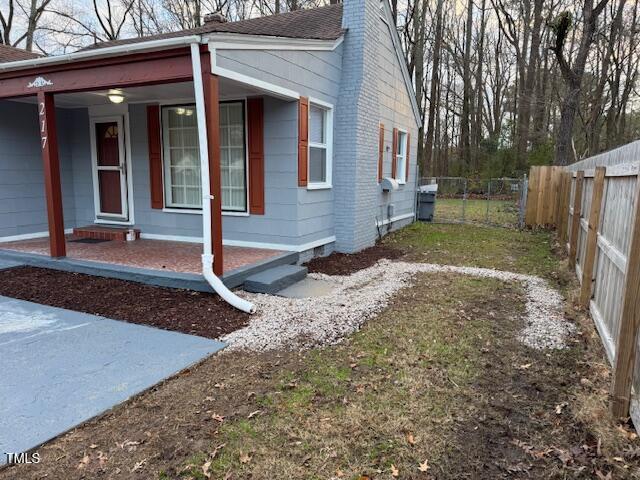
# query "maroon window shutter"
(155, 156)
(381, 153)
(303, 141)
(394, 154)
(255, 121)
(408, 155)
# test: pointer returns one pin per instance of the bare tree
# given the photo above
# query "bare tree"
(572, 74)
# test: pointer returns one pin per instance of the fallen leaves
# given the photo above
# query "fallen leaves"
(424, 466)
(129, 445)
(84, 462)
(560, 407)
(205, 469)
(410, 439)
(628, 434)
(138, 465)
(394, 471)
(244, 457)
(217, 418)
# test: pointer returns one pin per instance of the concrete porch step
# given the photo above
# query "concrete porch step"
(100, 232)
(275, 279)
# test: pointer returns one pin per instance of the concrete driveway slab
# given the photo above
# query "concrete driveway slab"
(61, 368)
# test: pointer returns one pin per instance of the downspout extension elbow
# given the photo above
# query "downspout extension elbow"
(221, 289)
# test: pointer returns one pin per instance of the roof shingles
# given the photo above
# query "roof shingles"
(12, 54)
(323, 23)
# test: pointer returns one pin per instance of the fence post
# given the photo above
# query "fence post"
(564, 207)
(523, 191)
(557, 191)
(575, 220)
(592, 236)
(464, 199)
(543, 195)
(560, 206)
(488, 197)
(532, 197)
(629, 322)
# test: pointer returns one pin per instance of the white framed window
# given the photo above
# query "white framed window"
(183, 187)
(233, 158)
(401, 157)
(182, 182)
(320, 145)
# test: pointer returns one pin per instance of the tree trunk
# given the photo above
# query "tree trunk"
(476, 131)
(435, 80)
(419, 13)
(528, 82)
(465, 141)
(573, 75)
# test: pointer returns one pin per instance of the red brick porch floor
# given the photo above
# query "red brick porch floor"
(151, 254)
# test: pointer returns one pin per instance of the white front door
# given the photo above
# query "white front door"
(109, 169)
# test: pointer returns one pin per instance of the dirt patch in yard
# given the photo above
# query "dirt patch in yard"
(436, 387)
(346, 263)
(183, 311)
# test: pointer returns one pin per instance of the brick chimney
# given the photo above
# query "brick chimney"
(357, 127)
(216, 17)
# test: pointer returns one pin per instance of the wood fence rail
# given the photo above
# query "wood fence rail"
(594, 210)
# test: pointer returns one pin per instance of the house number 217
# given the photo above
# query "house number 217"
(43, 138)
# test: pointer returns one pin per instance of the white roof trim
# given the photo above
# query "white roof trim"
(102, 52)
(228, 41)
(388, 20)
(241, 41)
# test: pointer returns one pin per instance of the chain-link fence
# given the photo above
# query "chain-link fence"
(494, 201)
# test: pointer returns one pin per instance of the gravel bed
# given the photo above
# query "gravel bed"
(310, 322)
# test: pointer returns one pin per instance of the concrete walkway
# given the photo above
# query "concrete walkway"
(61, 368)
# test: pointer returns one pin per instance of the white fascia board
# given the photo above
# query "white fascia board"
(238, 41)
(388, 20)
(102, 52)
(270, 88)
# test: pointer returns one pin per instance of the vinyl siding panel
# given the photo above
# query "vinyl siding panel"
(395, 112)
(22, 192)
(312, 74)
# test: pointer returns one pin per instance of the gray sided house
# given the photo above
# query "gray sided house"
(315, 116)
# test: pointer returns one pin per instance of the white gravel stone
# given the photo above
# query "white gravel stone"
(286, 323)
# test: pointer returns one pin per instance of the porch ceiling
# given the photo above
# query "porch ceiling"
(150, 93)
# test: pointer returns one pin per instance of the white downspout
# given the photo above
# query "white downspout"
(207, 255)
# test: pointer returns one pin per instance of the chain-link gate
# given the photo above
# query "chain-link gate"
(494, 201)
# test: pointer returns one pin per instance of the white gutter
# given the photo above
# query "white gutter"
(101, 52)
(207, 256)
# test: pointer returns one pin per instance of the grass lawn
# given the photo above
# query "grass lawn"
(436, 387)
(478, 246)
(501, 212)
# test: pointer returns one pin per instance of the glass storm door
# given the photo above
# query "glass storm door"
(110, 170)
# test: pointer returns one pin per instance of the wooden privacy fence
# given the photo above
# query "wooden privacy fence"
(593, 205)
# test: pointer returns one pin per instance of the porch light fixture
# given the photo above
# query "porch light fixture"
(115, 96)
